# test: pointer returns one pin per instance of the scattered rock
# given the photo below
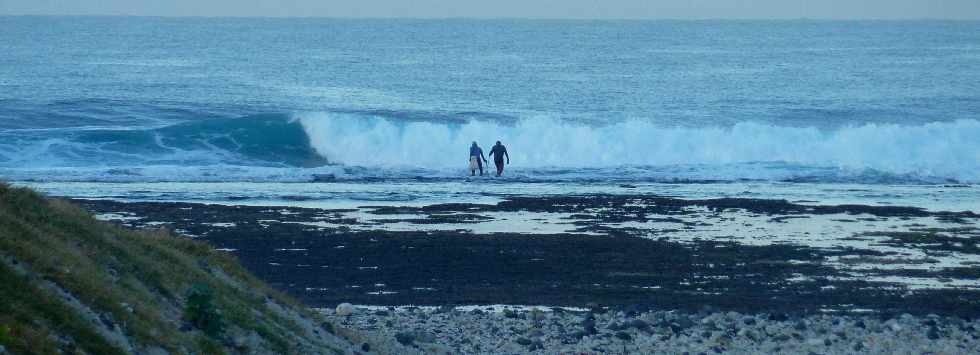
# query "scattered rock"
(425, 337)
(616, 326)
(579, 334)
(186, 327)
(536, 345)
(588, 324)
(537, 316)
(247, 342)
(106, 320)
(858, 346)
(405, 338)
(684, 322)
(571, 332)
(894, 326)
(624, 336)
(344, 309)
(640, 324)
(535, 333)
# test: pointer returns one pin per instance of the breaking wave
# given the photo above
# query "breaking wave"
(934, 151)
(262, 140)
(366, 146)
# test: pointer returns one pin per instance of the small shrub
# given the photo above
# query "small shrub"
(201, 312)
(6, 335)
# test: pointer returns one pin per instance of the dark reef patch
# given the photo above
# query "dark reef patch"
(347, 260)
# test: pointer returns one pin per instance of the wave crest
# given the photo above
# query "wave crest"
(366, 146)
(946, 150)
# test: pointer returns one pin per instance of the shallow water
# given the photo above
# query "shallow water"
(346, 195)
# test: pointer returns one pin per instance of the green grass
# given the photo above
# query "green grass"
(113, 271)
(23, 304)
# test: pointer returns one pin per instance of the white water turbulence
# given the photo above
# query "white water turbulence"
(938, 150)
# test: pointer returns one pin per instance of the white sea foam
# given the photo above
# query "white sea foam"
(940, 149)
(361, 146)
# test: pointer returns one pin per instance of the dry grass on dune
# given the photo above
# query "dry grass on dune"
(69, 283)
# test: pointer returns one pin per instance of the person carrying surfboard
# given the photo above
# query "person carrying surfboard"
(498, 152)
(476, 155)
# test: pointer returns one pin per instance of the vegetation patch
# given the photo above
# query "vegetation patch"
(72, 284)
(201, 311)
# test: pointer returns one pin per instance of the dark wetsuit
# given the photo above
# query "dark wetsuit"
(478, 153)
(498, 152)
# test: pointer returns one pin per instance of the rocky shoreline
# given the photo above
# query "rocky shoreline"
(635, 274)
(476, 330)
(638, 252)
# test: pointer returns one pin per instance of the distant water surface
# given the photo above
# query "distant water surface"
(132, 99)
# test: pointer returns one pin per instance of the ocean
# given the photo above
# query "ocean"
(90, 105)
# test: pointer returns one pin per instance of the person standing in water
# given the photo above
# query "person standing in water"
(498, 152)
(476, 155)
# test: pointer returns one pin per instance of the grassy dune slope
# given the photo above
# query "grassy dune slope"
(72, 284)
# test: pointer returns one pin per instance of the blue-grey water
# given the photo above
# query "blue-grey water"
(129, 99)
